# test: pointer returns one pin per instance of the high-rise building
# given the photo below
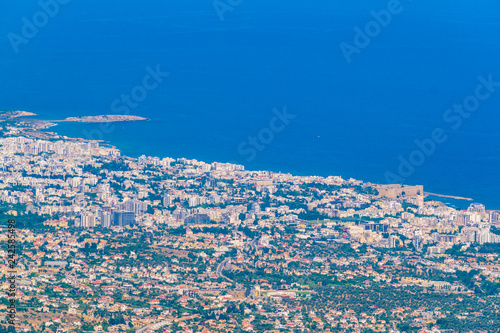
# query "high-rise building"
(136, 206)
(211, 183)
(123, 218)
(105, 218)
(167, 200)
(495, 217)
(87, 220)
(476, 208)
(180, 214)
(214, 199)
(417, 242)
(483, 236)
(462, 219)
(392, 241)
(471, 235)
(196, 201)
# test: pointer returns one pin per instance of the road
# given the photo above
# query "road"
(220, 268)
(219, 274)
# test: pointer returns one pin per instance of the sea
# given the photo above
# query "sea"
(381, 91)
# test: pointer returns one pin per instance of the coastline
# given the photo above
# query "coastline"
(125, 148)
(48, 124)
(126, 152)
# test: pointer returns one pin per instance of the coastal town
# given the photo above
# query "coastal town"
(110, 243)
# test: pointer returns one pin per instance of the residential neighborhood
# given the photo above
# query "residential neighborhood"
(110, 243)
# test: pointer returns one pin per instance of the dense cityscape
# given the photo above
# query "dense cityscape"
(109, 243)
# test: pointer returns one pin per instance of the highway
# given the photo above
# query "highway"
(219, 274)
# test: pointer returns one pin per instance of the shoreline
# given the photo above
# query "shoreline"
(271, 169)
(426, 194)
(90, 119)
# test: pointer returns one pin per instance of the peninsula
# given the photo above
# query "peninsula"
(101, 119)
(7, 115)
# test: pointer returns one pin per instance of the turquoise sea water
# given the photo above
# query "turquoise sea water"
(226, 76)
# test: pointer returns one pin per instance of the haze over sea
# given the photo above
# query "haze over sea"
(226, 77)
